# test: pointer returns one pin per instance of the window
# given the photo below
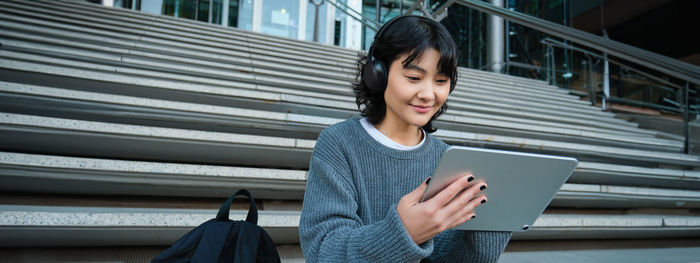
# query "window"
(280, 18)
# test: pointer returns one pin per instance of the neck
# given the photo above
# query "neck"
(402, 133)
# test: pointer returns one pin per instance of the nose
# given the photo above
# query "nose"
(426, 92)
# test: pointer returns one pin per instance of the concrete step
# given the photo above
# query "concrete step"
(485, 82)
(147, 30)
(492, 107)
(187, 72)
(518, 251)
(151, 42)
(39, 226)
(475, 102)
(544, 98)
(469, 71)
(504, 76)
(526, 107)
(22, 98)
(196, 26)
(465, 116)
(616, 174)
(39, 173)
(582, 151)
(254, 86)
(613, 196)
(334, 49)
(110, 140)
(273, 76)
(49, 129)
(534, 102)
(586, 251)
(601, 113)
(102, 226)
(287, 253)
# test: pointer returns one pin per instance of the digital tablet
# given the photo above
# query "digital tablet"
(520, 185)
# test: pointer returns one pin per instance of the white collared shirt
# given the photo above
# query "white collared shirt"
(384, 140)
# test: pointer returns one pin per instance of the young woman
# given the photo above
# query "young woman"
(367, 175)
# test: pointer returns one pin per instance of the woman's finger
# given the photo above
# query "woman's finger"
(468, 212)
(415, 195)
(444, 196)
(459, 202)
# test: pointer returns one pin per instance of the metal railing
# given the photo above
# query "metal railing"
(551, 43)
(688, 73)
(657, 62)
(672, 67)
(366, 22)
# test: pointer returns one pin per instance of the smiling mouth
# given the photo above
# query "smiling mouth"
(422, 108)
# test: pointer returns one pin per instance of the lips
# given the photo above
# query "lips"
(422, 108)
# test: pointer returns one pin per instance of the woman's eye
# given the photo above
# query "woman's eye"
(413, 78)
(442, 81)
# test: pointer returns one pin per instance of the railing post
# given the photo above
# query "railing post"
(553, 66)
(548, 64)
(317, 5)
(606, 82)
(224, 12)
(686, 112)
(378, 6)
(591, 83)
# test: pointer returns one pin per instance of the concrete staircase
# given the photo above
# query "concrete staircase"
(120, 131)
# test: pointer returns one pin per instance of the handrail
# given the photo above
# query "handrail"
(552, 42)
(362, 20)
(661, 63)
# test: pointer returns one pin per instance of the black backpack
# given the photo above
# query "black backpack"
(223, 240)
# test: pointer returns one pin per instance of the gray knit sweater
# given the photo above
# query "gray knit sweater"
(349, 212)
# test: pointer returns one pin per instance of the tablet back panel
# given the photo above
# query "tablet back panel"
(520, 185)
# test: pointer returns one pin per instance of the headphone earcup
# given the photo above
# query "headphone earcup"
(375, 75)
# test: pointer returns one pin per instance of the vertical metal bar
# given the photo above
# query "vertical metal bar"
(507, 42)
(316, 19)
(224, 12)
(606, 82)
(176, 12)
(686, 111)
(591, 84)
(196, 10)
(469, 40)
(546, 64)
(211, 9)
(495, 39)
(401, 7)
(554, 68)
(378, 7)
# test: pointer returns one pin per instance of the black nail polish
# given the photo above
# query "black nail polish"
(428, 181)
(471, 178)
(474, 216)
(482, 187)
(483, 201)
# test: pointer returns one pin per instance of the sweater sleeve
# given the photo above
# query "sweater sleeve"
(331, 231)
(469, 246)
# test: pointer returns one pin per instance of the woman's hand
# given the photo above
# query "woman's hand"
(454, 205)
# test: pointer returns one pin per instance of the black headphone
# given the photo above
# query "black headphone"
(374, 73)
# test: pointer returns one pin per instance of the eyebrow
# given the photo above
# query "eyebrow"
(414, 67)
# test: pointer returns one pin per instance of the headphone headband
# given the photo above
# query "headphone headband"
(384, 27)
(387, 24)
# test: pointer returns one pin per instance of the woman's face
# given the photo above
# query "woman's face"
(415, 92)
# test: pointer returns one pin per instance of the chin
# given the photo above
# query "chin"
(421, 122)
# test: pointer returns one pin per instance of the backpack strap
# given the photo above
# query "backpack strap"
(252, 210)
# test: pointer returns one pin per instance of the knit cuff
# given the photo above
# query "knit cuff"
(393, 243)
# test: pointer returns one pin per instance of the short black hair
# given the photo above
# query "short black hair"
(413, 35)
